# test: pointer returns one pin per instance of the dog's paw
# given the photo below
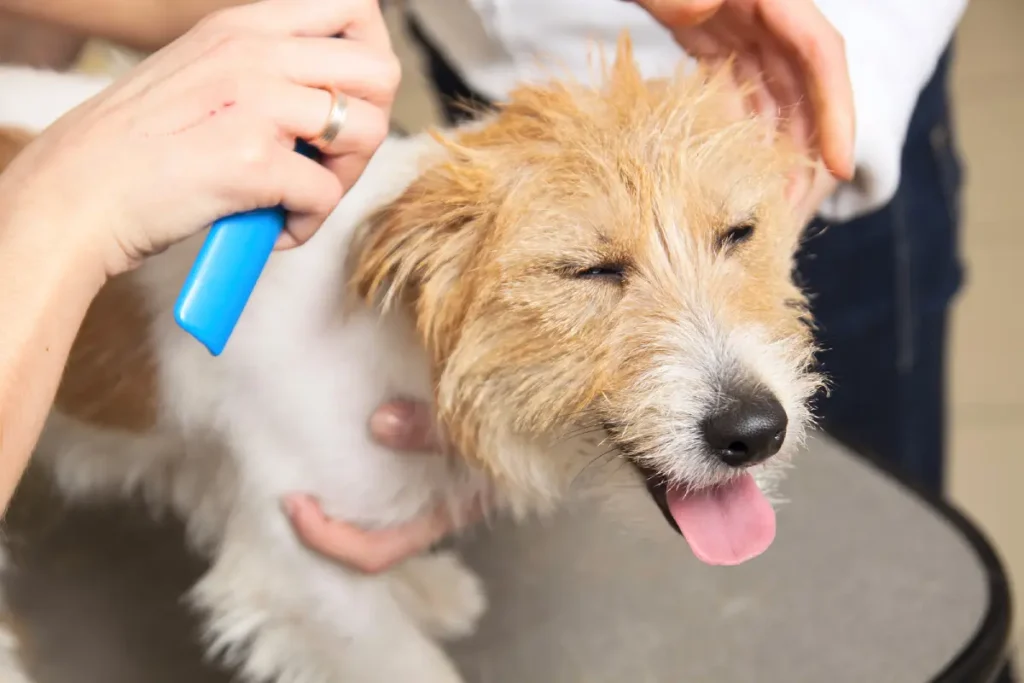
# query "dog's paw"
(443, 595)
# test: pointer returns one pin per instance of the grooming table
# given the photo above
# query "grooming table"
(867, 581)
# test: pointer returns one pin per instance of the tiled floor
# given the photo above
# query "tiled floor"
(988, 355)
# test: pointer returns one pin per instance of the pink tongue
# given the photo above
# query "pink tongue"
(725, 525)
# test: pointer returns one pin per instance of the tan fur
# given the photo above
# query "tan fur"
(110, 377)
(649, 175)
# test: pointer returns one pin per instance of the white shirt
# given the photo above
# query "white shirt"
(892, 47)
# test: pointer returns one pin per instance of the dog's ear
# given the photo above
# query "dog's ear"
(417, 250)
(12, 141)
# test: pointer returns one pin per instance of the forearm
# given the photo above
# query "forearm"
(143, 24)
(47, 285)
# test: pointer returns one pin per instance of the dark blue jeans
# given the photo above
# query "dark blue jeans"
(881, 286)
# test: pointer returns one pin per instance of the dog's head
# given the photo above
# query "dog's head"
(613, 258)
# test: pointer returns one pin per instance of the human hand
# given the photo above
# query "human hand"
(206, 128)
(403, 426)
(795, 63)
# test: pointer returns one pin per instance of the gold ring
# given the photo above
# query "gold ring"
(335, 120)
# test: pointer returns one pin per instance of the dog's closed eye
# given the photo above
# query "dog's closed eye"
(735, 235)
(610, 272)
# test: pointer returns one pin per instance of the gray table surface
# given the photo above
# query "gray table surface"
(864, 583)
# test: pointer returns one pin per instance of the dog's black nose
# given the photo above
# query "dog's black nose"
(748, 430)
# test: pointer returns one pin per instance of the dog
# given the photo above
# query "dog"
(591, 270)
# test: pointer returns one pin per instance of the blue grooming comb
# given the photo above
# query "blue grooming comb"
(226, 270)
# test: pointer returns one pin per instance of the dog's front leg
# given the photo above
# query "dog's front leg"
(281, 613)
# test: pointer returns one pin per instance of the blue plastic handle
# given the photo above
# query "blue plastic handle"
(227, 269)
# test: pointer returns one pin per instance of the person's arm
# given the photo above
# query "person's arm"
(48, 282)
(162, 153)
(142, 24)
(892, 48)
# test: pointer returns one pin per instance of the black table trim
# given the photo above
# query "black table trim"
(986, 655)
